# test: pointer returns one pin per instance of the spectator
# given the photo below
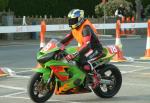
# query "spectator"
(120, 12)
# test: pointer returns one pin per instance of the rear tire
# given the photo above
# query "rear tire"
(108, 91)
(38, 91)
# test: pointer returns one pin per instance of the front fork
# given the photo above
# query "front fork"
(51, 76)
(97, 80)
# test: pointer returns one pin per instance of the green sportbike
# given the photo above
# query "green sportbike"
(62, 77)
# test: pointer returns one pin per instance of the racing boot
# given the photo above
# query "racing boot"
(89, 76)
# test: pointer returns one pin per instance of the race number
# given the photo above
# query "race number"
(49, 46)
(113, 49)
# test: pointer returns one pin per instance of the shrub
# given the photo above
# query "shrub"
(111, 6)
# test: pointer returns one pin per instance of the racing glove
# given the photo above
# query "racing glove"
(62, 47)
(71, 56)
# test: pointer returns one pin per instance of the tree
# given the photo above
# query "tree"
(111, 6)
(147, 10)
(54, 8)
(141, 8)
(3, 4)
(99, 10)
(145, 3)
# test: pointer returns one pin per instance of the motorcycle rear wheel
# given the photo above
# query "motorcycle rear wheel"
(38, 91)
(114, 74)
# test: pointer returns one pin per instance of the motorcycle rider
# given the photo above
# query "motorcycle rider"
(83, 31)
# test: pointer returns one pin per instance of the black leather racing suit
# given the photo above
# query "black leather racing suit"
(91, 48)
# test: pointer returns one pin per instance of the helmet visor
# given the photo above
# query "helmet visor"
(73, 21)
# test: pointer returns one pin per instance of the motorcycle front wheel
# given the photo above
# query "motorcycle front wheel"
(110, 73)
(39, 91)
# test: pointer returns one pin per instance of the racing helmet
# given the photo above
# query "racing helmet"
(75, 18)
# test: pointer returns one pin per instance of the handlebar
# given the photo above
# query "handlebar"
(64, 54)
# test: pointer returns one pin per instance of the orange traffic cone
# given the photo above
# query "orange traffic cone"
(122, 29)
(133, 30)
(119, 55)
(42, 38)
(42, 34)
(128, 21)
(4, 71)
(147, 51)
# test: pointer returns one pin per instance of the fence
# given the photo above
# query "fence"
(30, 20)
(62, 27)
(35, 20)
(118, 26)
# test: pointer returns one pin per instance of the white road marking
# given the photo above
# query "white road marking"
(143, 62)
(23, 71)
(8, 95)
(123, 65)
(136, 84)
(26, 98)
(14, 97)
(12, 87)
(136, 70)
(20, 76)
(17, 45)
(132, 38)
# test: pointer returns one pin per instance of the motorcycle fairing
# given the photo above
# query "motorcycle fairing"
(45, 71)
(60, 72)
(67, 82)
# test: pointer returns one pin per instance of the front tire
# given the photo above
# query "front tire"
(39, 91)
(109, 72)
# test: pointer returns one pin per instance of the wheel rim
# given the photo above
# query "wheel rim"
(109, 75)
(40, 88)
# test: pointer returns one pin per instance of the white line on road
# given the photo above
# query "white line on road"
(12, 87)
(14, 97)
(144, 62)
(20, 76)
(136, 70)
(17, 93)
(123, 65)
(16, 45)
(136, 84)
(26, 98)
(133, 38)
(23, 71)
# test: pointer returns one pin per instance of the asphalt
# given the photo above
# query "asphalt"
(135, 87)
(19, 56)
(17, 42)
(54, 36)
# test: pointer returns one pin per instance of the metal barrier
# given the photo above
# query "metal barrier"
(61, 27)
